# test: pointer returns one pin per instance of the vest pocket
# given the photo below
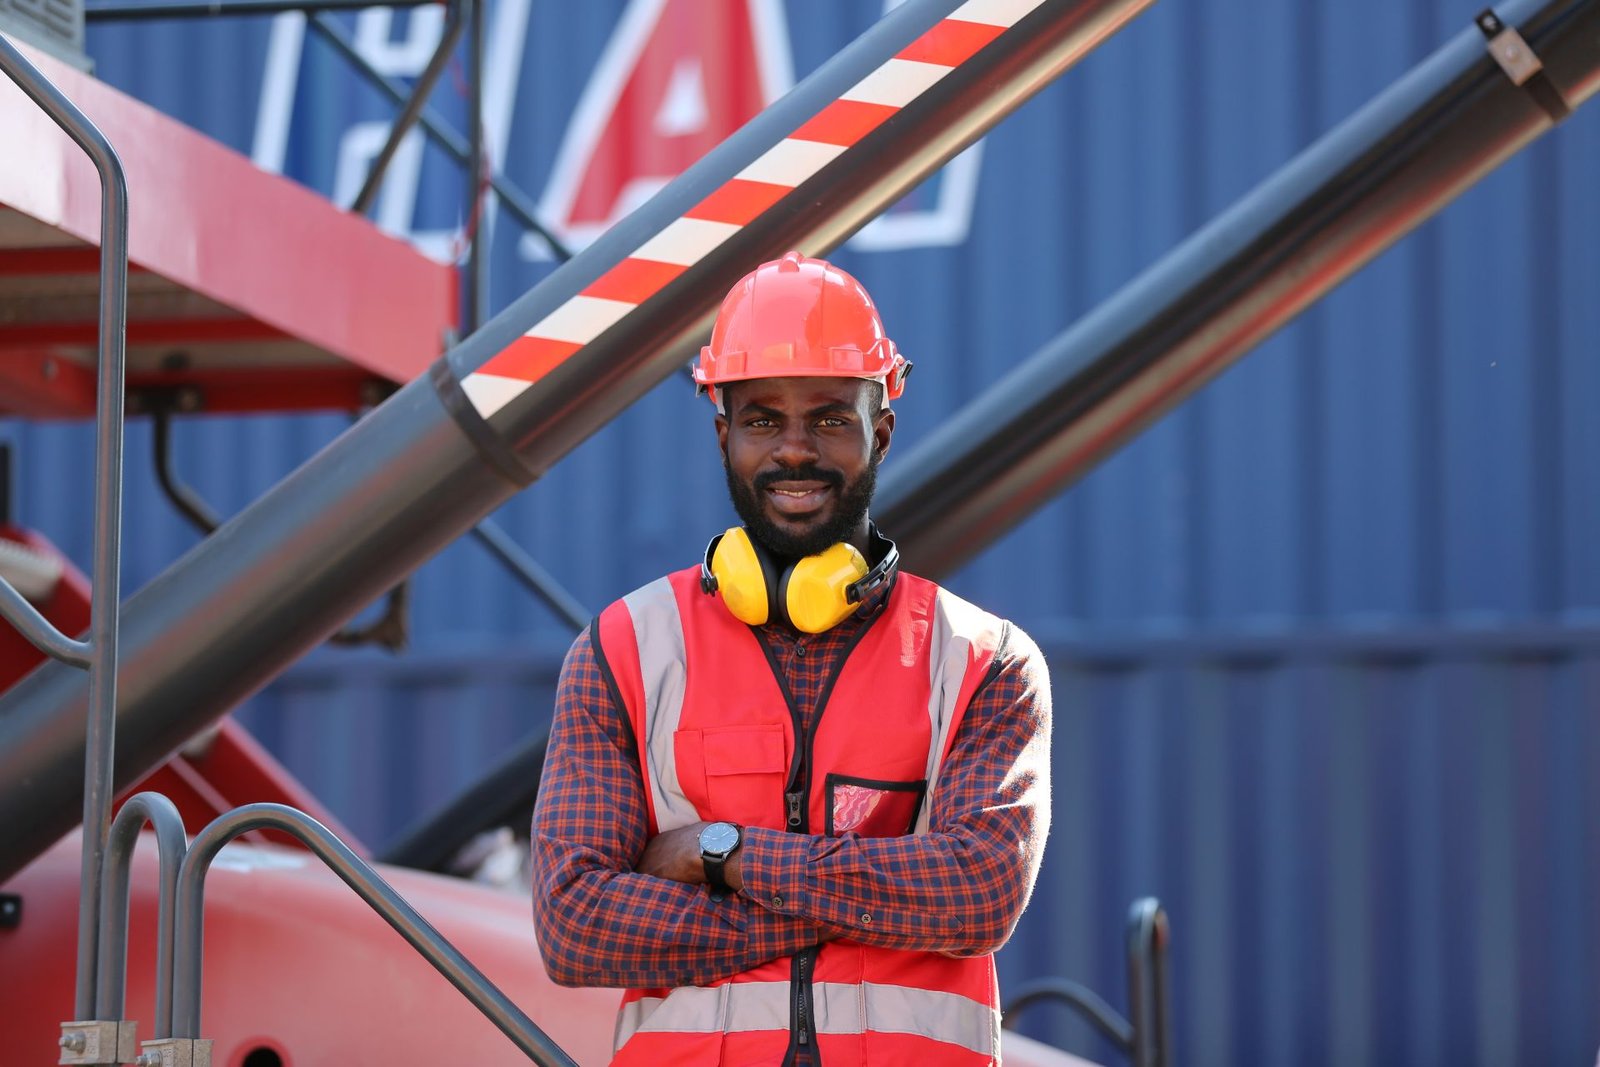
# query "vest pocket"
(740, 770)
(872, 808)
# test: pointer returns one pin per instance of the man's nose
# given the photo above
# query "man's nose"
(795, 446)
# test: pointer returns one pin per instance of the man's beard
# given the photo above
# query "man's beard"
(851, 502)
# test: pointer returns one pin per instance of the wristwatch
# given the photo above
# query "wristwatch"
(717, 842)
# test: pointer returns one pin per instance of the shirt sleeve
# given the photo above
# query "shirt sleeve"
(598, 922)
(961, 887)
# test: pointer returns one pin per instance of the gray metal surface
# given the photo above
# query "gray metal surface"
(407, 479)
(100, 727)
(371, 888)
(1333, 209)
(54, 25)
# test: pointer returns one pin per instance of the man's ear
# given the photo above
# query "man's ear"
(722, 435)
(882, 431)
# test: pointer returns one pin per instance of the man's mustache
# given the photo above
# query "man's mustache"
(809, 472)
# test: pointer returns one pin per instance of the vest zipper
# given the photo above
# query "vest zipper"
(795, 797)
(801, 984)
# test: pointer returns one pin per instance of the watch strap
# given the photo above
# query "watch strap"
(714, 864)
(714, 878)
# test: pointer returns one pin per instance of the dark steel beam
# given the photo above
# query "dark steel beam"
(1331, 210)
(513, 198)
(475, 281)
(424, 467)
(421, 90)
(131, 10)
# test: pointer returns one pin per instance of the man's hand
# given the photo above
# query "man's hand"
(676, 855)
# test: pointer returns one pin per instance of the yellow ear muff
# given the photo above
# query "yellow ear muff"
(740, 577)
(813, 591)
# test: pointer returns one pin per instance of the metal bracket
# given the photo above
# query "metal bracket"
(175, 1052)
(99, 1041)
(1521, 64)
(1508, 48)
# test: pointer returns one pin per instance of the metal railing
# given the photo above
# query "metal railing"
(98, 655)
(1146, 1037)
(370, 887)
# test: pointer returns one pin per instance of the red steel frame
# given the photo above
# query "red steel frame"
(286, 265)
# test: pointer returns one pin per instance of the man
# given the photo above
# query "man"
(794, 799)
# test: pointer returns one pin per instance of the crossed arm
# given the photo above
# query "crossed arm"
(614, 908)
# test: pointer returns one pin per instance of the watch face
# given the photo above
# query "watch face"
(719, 839)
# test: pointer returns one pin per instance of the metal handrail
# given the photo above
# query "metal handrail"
(1148, 935)
(1146, 1034)
(370, 887)
(101, 648)
(171, 843)
(40, 631)
(1088, 1003)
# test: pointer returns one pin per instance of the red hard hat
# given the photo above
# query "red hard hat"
(799, 318)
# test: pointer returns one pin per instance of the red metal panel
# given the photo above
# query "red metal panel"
(38, 384)
(142, 332)
(16, 262)
(208, 219)
(335, 388)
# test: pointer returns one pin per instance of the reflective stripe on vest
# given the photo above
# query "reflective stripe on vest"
(658, 635)
(962, 634)
(840, 1008)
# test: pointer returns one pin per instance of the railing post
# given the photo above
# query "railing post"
(101, 647)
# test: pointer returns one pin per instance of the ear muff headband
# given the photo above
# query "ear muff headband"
(813, 595)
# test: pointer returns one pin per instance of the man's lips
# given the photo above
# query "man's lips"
(797, 498)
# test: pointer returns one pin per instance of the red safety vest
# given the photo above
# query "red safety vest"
(717, 741)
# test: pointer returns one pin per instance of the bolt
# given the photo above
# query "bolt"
(49, 369)
(148, 1059)
(189, 399)
(76, 1041)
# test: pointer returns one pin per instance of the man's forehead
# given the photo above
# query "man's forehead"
(806, 392)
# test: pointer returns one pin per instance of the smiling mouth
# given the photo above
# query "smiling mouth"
(797, 500)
